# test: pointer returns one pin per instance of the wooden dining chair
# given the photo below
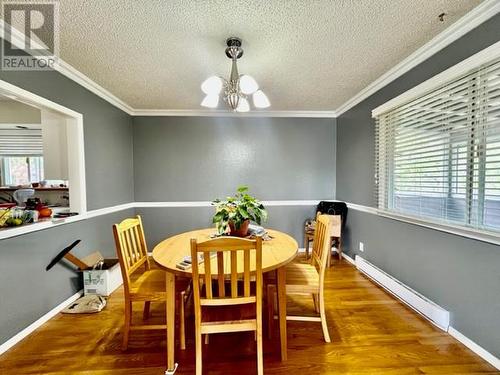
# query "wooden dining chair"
(227, 301)
(148, 287)
(307, 278)
(335, 236)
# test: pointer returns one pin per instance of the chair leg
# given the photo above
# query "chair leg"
(270, 310)
(341, 245)
(147, 308)
(329, 258)
(260, 360)
(323, 316)
(198, 351)
(182, 325)
(316, 305)
(128, 321)
(206, 339)
(306, 245)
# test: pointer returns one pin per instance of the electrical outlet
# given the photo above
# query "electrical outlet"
(361, 246)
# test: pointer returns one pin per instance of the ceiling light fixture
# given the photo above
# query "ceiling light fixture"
(237, 88)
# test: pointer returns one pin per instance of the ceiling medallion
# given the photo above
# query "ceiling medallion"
(237, 89)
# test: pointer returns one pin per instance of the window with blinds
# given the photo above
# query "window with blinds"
(20, 142)
(438, 155)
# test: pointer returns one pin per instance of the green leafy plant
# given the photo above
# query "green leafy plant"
(237, 209)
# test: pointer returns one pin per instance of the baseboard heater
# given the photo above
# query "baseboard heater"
(435, 313)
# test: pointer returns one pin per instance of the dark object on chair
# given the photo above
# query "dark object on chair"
(328, 208)
(333, 208)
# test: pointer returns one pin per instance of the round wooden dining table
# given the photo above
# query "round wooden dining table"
(277, 252)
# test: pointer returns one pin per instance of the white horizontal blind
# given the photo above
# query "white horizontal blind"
(21, 142)
(438, 156)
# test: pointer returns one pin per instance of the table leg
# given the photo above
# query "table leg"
(281, 285)
(170, 279)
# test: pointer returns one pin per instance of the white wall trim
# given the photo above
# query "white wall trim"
(471, 20)
(75, 75)
(421, 304)
(270, 203)
(359, 207)
(477, 349)
(474, 234)
(227, 113)
(17, 231)
(474, 18)
(17, 38)
(29, 228)
(38, 323)
(75, 137)
(480, 351)
(348, 258)
(484, 56)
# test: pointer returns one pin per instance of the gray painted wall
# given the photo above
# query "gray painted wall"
(107, 133)
(109, 176)
(202, 158)
(161, 223)
(457, 273)
(27, 291)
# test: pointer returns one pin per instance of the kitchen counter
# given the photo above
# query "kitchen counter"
(36, 189)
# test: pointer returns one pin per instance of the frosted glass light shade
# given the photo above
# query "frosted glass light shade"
(212, 85)
(248, 85)
(243, 106)
(260, 100)
(210, 101)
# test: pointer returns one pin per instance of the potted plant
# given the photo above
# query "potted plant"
(234, 214)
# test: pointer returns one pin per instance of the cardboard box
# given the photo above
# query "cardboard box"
(100, 276)
(103, 281)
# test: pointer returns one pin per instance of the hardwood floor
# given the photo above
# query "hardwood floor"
(371, 332)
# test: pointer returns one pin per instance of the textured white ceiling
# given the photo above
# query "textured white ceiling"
(306, 55)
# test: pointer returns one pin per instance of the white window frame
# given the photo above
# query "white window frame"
(490, 53)
(76, 147)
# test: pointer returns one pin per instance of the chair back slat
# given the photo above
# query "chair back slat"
(321, 243)
(130, 247)
(221, 279)
(234, 274)
(208, 274)
(234, 256)
(246, 271)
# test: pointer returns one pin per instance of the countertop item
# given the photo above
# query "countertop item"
(21, 195)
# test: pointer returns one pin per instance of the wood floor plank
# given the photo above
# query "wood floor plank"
(371, 332)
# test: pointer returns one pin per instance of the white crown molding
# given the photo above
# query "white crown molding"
(464, 67)
(474, 18)
(222, 113)
(75, 75)
(17, 38)
(471, 20)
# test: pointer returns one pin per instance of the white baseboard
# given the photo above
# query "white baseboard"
(39, 322)
(348, 258)
(480, 351)
(430, 310)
